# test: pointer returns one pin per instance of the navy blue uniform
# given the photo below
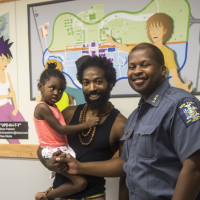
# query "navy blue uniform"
(159, 135)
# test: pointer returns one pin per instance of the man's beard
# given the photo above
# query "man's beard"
(104, 96)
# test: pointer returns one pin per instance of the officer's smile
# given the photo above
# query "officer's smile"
(139, 81)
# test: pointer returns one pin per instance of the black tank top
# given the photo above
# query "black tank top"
(98, 150)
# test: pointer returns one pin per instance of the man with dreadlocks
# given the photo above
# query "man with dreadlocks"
(97, 76)
(8, 112)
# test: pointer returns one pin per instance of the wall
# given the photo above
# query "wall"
(22, 178)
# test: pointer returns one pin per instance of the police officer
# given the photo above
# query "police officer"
(162, 136)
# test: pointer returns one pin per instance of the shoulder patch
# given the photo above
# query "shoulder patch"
(189, 112)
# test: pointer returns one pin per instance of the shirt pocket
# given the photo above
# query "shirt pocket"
(128, 143)
(145, 147)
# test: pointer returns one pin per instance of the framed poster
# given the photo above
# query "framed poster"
(67, 30)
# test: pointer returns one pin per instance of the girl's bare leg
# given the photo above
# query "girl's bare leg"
(78, 183)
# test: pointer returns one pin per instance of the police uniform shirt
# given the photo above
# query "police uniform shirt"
(159, 135)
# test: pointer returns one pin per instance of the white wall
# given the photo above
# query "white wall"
(22, 178)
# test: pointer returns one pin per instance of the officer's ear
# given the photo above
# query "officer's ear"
(164, 71)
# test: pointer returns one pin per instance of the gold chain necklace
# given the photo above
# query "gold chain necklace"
(92, 130)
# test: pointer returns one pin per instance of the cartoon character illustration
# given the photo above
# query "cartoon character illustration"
(159, 28)
(8, 112)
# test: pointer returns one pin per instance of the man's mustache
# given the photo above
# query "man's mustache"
(93, 93)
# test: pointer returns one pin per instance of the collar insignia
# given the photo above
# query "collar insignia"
(155, 98)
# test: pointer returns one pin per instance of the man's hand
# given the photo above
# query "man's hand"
(72, 163)
(108, 168)
(53, 165)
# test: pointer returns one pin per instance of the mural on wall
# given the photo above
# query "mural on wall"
(67, 34)
(12, 124)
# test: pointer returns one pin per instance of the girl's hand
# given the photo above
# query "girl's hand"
(91, 122)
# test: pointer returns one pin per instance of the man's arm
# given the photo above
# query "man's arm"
(108, 168)
(188, 184)
(68, 113)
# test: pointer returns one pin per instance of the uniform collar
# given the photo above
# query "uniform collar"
(157, 95)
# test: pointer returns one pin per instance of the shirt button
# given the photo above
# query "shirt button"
(129, 174)
(127, 132)
(132, 193)
(132, 155)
